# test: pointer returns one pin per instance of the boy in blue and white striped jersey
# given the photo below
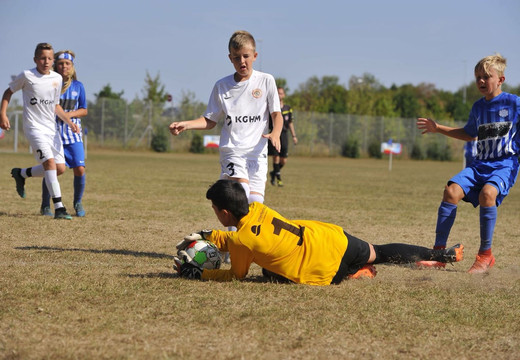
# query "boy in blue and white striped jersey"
(494, 122)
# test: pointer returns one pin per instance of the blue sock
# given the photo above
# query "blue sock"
(79, 187)
(46, 195)
(488, 219)
(445, 220)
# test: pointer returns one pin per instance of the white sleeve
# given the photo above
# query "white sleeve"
(214, 109)
(17, 83)
(273, 100)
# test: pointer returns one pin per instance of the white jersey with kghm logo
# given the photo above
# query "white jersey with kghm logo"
(41, 94)
(244, 107)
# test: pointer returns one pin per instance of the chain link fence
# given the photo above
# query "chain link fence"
(118, 124)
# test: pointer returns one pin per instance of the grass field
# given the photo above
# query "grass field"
(102, 287)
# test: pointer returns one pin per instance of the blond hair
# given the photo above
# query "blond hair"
(68, 81)
(496, 62)
(241, 38)
(40, 47)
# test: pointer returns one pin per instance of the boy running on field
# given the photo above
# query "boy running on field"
(41, 89)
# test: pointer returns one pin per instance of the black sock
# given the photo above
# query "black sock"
(405, 253)
(276, 170)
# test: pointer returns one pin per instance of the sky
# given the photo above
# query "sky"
(185, 42)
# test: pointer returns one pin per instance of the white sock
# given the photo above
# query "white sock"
(36, 171)
(246, 188)
(256, 198)
(51, 180)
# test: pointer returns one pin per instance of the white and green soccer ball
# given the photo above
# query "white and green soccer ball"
(204, 253)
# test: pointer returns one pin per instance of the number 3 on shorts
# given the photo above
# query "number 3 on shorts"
(231, 168)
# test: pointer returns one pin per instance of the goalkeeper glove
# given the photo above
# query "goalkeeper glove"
(188, 239)
(186, 268)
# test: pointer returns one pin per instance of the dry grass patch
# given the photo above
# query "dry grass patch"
(103, 287)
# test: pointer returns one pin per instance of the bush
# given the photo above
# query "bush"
(197, 144)
(350, 148)
(160, 140)
(417, 152)
(439, 152)
(374, 150)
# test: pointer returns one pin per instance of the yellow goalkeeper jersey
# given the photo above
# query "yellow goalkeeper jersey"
(304, 251)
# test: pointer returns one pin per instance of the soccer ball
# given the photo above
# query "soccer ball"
(204, 253)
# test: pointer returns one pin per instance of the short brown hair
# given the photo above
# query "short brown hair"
(42, 46)
(241, 38)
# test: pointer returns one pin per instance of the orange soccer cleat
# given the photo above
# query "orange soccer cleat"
(482, 264)
(367, 271)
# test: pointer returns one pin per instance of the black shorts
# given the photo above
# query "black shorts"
(356, 256)
(284, 148)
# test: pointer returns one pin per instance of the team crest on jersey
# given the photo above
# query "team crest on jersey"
(257, 93)
(55, 84)
(74, 93)
(503, 113)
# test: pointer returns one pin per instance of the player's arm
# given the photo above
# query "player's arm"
(201, 123)
(430, 126)
(78, 113)
(293, 133)
(63, 116)
(4, 120)
(274, 135)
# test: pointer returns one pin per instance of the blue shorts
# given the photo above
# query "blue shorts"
(500, 174)
(74, 154)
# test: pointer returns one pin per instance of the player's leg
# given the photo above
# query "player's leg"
(257, 175)
(75, 159)
(275, 174)
(404, 254)
(234, 167)
(488, 217)
(446, 215)
(54, 166)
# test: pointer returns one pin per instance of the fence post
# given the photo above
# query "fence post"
(102, 121)
(331, 121)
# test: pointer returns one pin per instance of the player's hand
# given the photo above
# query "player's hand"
(188, 239)
(295, 140)
(177, 127)
(186, 268)
(74, 128)
(275, 140)
(426, 125)
(4, 123)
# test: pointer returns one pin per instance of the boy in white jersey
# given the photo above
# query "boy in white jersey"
(243, 101)
(41, 89)
(494, 122)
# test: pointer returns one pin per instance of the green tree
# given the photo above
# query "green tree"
(106, 92)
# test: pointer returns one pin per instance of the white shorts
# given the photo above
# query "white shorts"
(46, 147)
(240, 166)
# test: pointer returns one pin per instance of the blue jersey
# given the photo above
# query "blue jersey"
(72, 99)
(496, 124)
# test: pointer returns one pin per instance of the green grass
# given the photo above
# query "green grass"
(103, 287)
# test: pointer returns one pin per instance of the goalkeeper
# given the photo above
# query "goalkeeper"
(301, 251)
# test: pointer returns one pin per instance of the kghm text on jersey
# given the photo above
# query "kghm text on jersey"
(244, 119)
(35, 101)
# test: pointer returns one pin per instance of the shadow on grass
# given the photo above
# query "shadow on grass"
(95, 251)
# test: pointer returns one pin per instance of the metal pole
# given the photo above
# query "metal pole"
(103, 122)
